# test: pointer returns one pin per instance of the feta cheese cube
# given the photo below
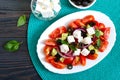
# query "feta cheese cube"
(80, 39)
(77, 52)
(87, 40)
(56, 7)
(70, 39)
(77, 34)
(91, 31)
(47, 13)
(38, 8)
(85, 52)
(64, 48)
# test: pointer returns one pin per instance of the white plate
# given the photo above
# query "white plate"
(63, 22)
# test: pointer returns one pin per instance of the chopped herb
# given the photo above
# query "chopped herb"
(72, 47)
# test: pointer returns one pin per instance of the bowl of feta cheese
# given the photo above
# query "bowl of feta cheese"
(45, 9)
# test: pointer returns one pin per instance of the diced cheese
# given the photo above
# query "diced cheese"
(77, 52)
(87, 40)
(56, 7)
(80, 39)
(64, 48)
(70, 39)
(91, 31)
(77, 34)
(85, 52)
(47, 13)
(55, 1)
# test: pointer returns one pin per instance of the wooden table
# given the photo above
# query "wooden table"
(18, 65)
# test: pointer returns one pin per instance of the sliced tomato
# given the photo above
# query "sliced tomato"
(82, 60)
(103, 46)
(58, 65)
(68, 60)
(54, 34)
(76, 61)
(106, 33)
(101, 26)
(63, 29)
(73, 25)
(79, 23)
(92, 56)
(47, 50)
(50, 42)
(88, 18)
(49, 58)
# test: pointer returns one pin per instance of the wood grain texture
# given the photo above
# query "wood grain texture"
(17, 65)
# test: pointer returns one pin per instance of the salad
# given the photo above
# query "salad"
(72, 45)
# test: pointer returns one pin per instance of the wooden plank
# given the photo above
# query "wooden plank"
(16, 66)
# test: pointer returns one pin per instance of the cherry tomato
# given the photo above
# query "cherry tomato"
(58, 65)
(92, 56)
(73, 25)
(101, 26)
(50, 42)
(47, 50)
(103, 46)
(68, 60)
(82, 60)
(106, 33)
(63, 29)
(79, 23)
(87, 19)
(76, 61)
(49, 58)
(54, 34)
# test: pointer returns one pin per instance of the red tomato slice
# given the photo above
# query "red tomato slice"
(49, 58)
(106, 33)
(79, 23)
(103, 46)
(73, 25)
(58, 65)
(63, 29)
(76, 61)
(50, 42)
(82, 60)
(47, 50)
(54, 34)
(68, 60)
(101, 26)
(88, 18)
(92, 56)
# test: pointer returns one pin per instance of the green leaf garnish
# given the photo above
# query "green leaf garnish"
(21, 21)
(64, 42)
(72, 47)
(12, 45)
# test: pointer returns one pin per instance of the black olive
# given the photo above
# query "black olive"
(92, 24)
(69, 66)
(57, 57)
(69, 30)
(58, 42)
(84, 34)
(78, 3)
(73, 44)
(85, 3)
(92, 51)
(90, 1)
(80, 45)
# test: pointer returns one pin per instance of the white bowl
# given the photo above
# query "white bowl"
(82, 7)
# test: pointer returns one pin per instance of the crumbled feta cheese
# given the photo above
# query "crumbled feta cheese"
(55, 1)
(47, 13)
(77, 52)
(80, 39)
(70, 39)
(56, 7)
(64, 48)
(91, 31)
(87, 40)
(77, 34)
(85, 52)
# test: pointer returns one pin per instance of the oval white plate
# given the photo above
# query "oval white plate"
(63, 22)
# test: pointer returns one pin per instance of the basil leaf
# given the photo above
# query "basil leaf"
(12, 45)
(98, 43)
(21, 21)
(72, 47)
(64, 42)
